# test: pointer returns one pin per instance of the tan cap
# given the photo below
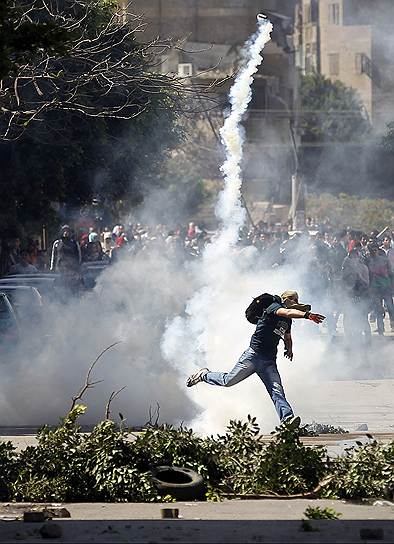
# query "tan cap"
(289, 294)
(290, 300)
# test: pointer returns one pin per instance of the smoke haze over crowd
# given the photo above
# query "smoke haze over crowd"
(172, 317)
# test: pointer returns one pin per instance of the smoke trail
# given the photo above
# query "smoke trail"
(229, 209)
(219, 268)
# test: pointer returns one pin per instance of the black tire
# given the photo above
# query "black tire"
(181, 483)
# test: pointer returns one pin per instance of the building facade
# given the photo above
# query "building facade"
(351, 41)
(210, 35)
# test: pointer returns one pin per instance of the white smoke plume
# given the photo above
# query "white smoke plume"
(209, 319)
(173, 318)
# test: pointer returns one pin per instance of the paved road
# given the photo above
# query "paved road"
(229, 521)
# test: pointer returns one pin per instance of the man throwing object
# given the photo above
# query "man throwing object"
(273, 316)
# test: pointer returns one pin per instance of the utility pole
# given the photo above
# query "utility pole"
(297, 210)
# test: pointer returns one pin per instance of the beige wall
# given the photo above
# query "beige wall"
(346, 41)
(214, 21)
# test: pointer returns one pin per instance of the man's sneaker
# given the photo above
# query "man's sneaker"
(197, 377)
(292, 422)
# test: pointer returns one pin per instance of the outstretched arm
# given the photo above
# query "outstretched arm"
(298, 314)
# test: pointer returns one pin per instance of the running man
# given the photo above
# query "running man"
(260, 357)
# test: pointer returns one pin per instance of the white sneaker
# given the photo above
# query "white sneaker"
(197, 377)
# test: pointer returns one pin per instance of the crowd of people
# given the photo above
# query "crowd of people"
(349, 271)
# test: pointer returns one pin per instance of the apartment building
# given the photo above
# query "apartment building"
(211, 34)
(351, 41)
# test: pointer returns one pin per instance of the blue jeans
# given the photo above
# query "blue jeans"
(266, 369)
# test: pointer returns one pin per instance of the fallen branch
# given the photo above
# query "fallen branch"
(90, 384)
(256, 496)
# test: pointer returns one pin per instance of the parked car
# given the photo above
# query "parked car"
(45, 286)
(35, 275)
(26, 302)
(9, 325)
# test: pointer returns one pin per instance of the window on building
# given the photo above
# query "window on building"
(333, 14)
(359, 63)
(364, 66)
(307, 12)
(314, 11)
(309, 65)
(333, 64)
(185, 69)
(259, 96)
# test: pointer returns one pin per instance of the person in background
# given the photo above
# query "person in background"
(93, 236)
(388, 249)
(381, 282)
(23, 266)
(191, 231)
(66, 252)
(116, 232)
(32, 250)
(14, 251)
(93, 250)
(106, 240)
(355, 299)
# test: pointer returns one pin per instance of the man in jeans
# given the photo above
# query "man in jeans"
(381, 283)
(260, 357)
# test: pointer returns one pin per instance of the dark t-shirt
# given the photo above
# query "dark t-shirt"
(269, 330)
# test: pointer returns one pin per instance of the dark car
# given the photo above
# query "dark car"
(9, 325)
(34, 275)
(45, 286)
(26, 302)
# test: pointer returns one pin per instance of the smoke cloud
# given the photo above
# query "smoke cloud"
(173, 317)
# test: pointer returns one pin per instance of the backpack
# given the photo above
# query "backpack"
(256, 308)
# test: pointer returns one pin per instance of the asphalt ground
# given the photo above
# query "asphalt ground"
(229, 521)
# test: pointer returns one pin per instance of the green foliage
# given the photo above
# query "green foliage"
(333, 112)
(9, 465)
(109, 464)
(387, 142)
(314, 429)
(307, 527)
(54, 469)
(76, 151)
(365, 472)
(21, 38)
(67, 465)
(286, 466)
(343, 210)
(315, 512)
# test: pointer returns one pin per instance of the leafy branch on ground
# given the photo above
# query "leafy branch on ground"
(111, 464)
(315, 512)
(314, 429)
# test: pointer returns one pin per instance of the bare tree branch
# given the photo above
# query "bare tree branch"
(112, 396)
(105, 73)
(88, 383)
(156, 415)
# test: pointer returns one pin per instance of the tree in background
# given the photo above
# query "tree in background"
(348, 210)
(331, 112)
(85, 116)
(335, 130)
(21, 38)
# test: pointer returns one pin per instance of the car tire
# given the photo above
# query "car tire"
(183, 484)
